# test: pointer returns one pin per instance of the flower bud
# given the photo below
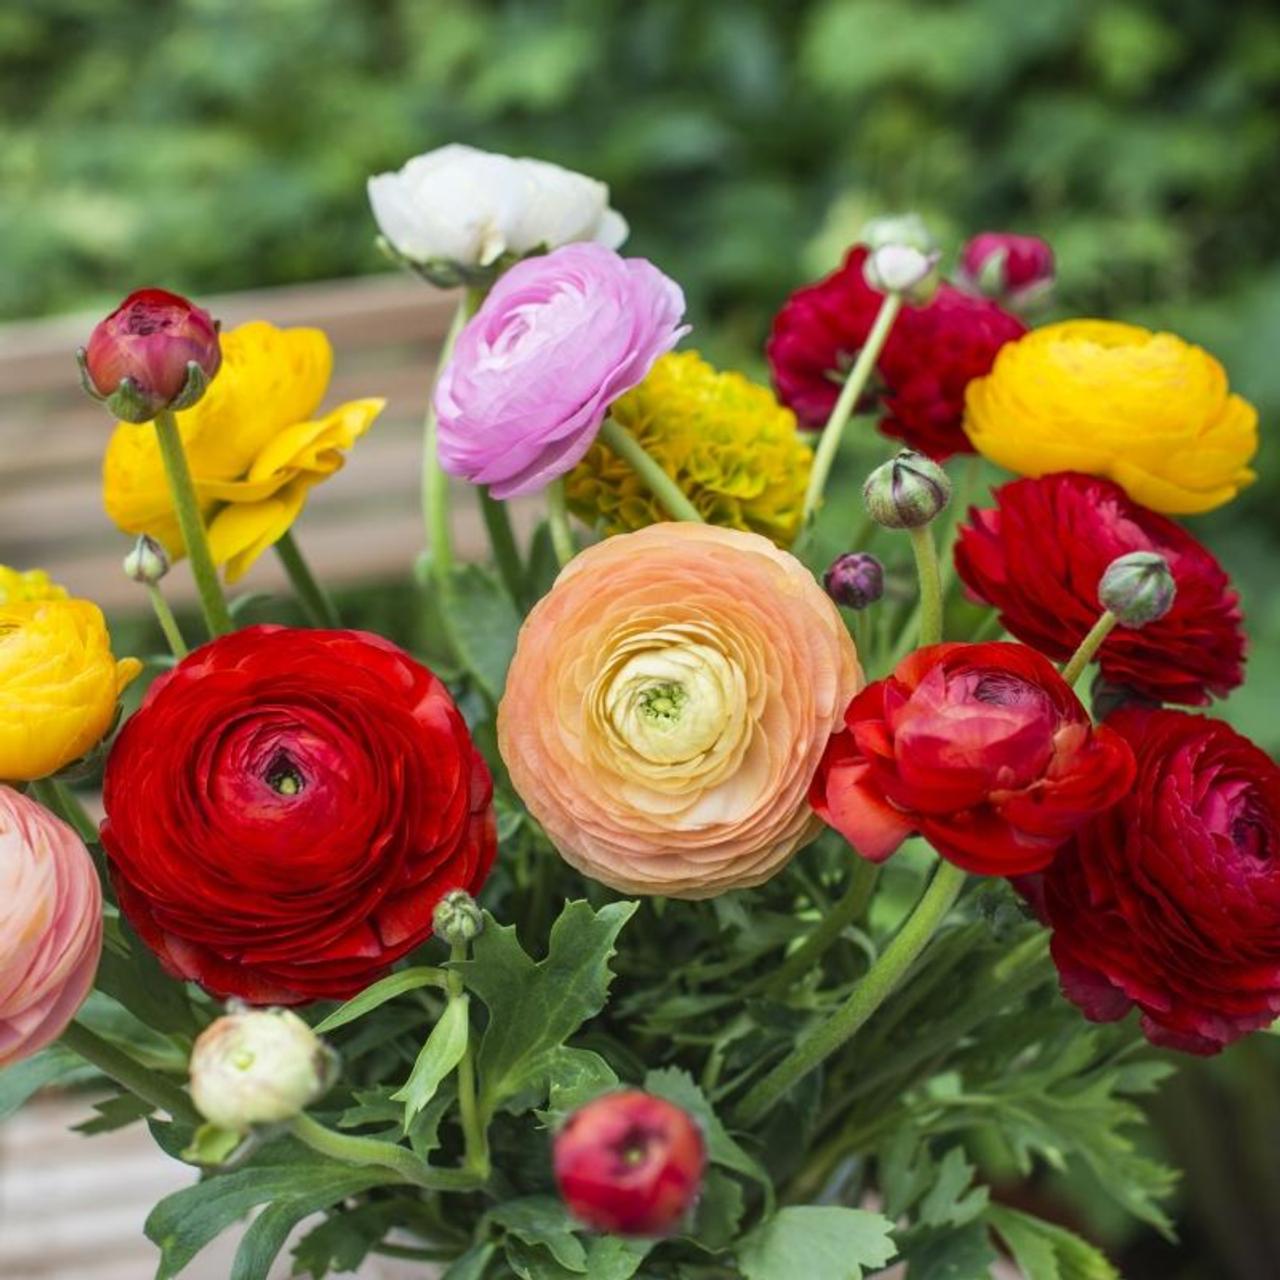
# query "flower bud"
(905, 229)
(457, 919)
(855, 580)
(1138, 588)
(907, 491)
(147, 563)
(1016, 270)
(258, 1066)
(155, 351)
(630, 1164)
(896, 268)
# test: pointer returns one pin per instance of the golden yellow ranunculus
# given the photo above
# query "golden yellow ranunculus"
(59, 685)
(253, 442)
(17, 585)
(1148, 410)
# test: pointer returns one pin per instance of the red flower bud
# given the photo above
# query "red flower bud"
(155, 351)
(1014, 269)
(630, 1164)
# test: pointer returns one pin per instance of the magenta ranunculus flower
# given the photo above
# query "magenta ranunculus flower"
(50, 926)
(558, 339)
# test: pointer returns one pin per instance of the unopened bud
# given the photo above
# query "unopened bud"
(896, 268)
(907, 491)
(457, 918)
(1138, 588)
(258, 1066)
(1017, 270)
(855, 580)
(147, 563)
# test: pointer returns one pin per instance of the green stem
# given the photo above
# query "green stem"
(850, 394)
(661, 485)
(435, 483)
(168, 623)
(311, 595)
(187, 506)
(475, 1132)
(558, 522)
(141, 1081)
(926, 554)
(1089, 646)
(874, 989)
(60, 799)
(497, 522)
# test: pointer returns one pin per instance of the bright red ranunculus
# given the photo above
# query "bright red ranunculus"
(1037, 556)
(1171, 900)
(983, 749)
(630, 1164)
(287, 807)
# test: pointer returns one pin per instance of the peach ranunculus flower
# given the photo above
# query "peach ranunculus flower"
(255, 443)
(668, 704)
(50, 926)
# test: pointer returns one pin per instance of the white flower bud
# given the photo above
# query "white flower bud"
(896, 268)
(147, 563)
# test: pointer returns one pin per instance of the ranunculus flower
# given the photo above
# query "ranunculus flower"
(20, 585)
(59, 685)
(286, 809)
(456, 209)
(668, 703)
(254, 443)
(557, 340)
(1171, 900)
(999, 264)
(1148, 410)
(50, 926)
(1038, 555)
(983, 749)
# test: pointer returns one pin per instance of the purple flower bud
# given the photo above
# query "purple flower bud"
(855, 580)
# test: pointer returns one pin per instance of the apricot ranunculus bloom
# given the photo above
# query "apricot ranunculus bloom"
(59, 685)
(1147, 410)
(254, 443)
(668, 704)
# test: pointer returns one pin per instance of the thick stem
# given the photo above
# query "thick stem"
(1089, 646)
(435, 483)
(168, 623)
(311, 595)
(183, 491)
(874, 989)
(661, 485)
(475, 1132)
(497, 522)
(926, 554)
(60, 799)
(850, 394)
(558, 523)
(141, 1081)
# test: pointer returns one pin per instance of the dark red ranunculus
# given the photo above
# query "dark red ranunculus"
(630, 1164)
(983, 749)
(287, 807)
(1171, 900)
(1037, 556)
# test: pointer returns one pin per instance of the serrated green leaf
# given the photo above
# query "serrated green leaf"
(388, 988)
(442, 1052)
(574, 1078)
(114, 1113)
(542, 1221)
(964, 1253)
(950, 1201)
(817, 1240)
(1045, 1251)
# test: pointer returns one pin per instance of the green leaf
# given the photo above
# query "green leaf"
(534, 1008)
(395, 984)
(115, 1113)
(132, 976)
(574, 1078)
(473, 1264)
(482, 623)
(212, 1146)
(941, 1254)
(50, 1066)
(344, 1239)
(950, 1201)
(817, 1240)
(542, 1221)
(719, 1213)
(442, 1052)
(1045, 1251)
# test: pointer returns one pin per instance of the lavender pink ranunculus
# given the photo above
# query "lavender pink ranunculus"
(558, 339)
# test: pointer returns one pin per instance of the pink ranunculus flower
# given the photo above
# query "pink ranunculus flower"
(558, 339)
(50, 926)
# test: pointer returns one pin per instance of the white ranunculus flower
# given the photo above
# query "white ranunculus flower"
(457, 206)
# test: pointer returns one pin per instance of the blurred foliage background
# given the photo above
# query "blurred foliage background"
(213, 145)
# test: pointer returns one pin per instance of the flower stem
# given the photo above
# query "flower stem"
(168, 623)
(475, 1132)
(876, 987)
(850, 394)
(183, 491)
(926, 554)
(497, 522)
(558, 522)
(1089, 646)
(311, 595)
(661, 485)
(60, 799)
(141, 1081)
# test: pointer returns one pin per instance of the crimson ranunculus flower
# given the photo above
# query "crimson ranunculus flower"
(1171, 900)
(286, 809)
(983, 749)
(927, 363)
(1037, 556)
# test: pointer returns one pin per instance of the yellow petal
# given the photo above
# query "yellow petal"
(242, 531)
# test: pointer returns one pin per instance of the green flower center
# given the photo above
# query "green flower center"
(663, 702)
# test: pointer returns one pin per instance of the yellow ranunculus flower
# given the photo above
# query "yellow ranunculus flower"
(59, 685)
(1148, 410)
(253, 442)
(32, 584)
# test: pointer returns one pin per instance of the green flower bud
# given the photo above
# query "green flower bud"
(147, 563)
(1138, 588)
(907, 491)
(457, 918)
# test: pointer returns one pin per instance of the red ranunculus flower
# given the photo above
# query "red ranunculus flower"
(929, 359)
(1039, 553)
(983, 749)
(286, 809)
(1171, 900)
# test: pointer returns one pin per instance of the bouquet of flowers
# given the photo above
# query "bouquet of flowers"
(703, 903)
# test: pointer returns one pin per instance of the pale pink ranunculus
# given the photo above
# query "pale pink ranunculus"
(558, 339)
(50, 926)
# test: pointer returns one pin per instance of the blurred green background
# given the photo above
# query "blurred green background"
(213, 145)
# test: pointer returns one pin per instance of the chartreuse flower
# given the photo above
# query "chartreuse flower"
(17, 586)
(254, 443)
(725, 440)
(1147, 410)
